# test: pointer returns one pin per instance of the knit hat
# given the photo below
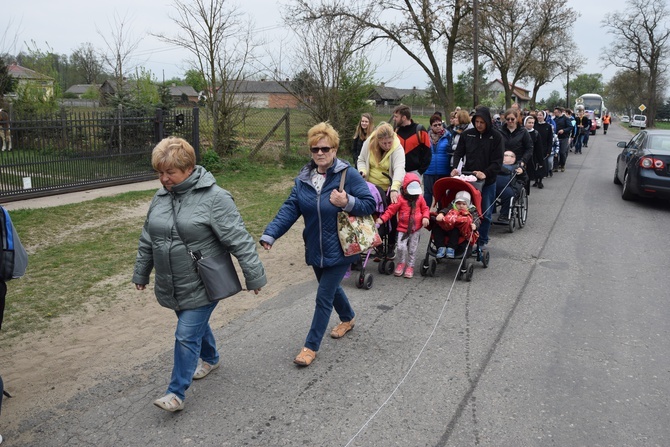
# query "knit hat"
(462, 196)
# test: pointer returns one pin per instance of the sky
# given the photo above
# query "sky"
(63, 26)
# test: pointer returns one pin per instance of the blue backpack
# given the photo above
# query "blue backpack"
(14, 258)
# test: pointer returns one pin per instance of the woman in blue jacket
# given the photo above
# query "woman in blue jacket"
(315, 196)
(440, 146)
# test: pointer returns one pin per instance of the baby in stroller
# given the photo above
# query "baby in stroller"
(457, 224)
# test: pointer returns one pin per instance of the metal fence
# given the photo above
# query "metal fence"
(83, 150)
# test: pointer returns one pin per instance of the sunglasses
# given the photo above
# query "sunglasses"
(324, 149)
(510, 119)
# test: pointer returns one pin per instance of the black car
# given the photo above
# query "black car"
(643, 167)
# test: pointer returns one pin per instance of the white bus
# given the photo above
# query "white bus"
(594, 102)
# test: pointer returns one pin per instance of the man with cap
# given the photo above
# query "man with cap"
(482, 147)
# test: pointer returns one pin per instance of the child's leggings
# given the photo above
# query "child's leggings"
(406, 248)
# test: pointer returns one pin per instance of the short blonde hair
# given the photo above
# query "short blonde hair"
(321, 131)
(173, 152)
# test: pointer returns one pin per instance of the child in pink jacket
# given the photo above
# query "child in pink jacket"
(413, 214)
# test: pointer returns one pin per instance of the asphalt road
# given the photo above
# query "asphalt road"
(562, 341)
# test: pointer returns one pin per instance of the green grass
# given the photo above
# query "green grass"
(82, 254)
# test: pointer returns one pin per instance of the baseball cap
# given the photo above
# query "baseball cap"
(414, 188)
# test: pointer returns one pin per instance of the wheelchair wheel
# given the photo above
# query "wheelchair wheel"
(512, 222)
(523, 208)
(432, 267)
(485, 258)
(469, 272)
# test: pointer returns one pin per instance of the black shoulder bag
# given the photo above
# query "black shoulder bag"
(216, 272)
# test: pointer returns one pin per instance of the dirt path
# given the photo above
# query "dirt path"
(44, 370)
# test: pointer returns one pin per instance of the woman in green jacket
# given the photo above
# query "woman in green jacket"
(210, 223)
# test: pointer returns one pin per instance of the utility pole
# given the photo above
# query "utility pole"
(475, 54)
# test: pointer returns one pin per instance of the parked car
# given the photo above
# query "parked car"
(643, 166)
(625, 119)
(638, 121)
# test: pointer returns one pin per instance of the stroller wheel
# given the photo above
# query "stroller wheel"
(390, 266)
(368, 281)
(425, 266)
(432, 267)
(381, 267)
(485, 258)
(360, 282)
(470, 272)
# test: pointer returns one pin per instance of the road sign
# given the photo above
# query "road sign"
(642, 107)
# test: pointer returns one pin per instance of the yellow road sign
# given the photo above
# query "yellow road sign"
(642, 107)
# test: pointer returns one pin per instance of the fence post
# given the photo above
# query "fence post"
(287, 132)
(159, 126)
(195, 139)
(119, 116)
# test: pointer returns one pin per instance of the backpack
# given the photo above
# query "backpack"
(14, 258)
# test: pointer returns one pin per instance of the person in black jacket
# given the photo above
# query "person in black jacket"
(563, 130)
(483, 147)
(363, 131)
(545, 141)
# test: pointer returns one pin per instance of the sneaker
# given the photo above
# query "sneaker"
(441, 252)
(342, 328)
(204, 368)
(451, 253)
(399, 270)
(409, 272)
(540, 185)
(562, 168)
(555, 170)
(305, 357)
(503, 218)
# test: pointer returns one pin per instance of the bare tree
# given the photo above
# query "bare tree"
(419, 28)
(641, 44)
(222, 48)
(509, 31)
(332, 77)
(120, 45)
(548, 64)
(86, 62)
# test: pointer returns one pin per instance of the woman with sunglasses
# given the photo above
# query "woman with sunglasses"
(517, 139)
(382, 163)
(315, 197)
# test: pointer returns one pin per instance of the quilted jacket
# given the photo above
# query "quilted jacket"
(322, 244)
(210, 222)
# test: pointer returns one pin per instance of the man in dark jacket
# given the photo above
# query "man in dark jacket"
(414, 140)
(563, 130)
(483, 147)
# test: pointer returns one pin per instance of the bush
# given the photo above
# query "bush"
(211, 161)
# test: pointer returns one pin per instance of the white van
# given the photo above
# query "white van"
(638, 121)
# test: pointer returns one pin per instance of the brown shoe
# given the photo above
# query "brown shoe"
(342, 328)
(305, 358)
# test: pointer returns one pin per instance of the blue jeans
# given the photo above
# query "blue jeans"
(329, 294)
(488, 198)
(193, 340)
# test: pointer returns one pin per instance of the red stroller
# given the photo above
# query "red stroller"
(444, 191)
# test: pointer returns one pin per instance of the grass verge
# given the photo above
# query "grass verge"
(82, 254)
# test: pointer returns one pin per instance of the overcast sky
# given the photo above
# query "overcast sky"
(66, 24)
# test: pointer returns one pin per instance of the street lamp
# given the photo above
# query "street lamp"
(475, 53)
